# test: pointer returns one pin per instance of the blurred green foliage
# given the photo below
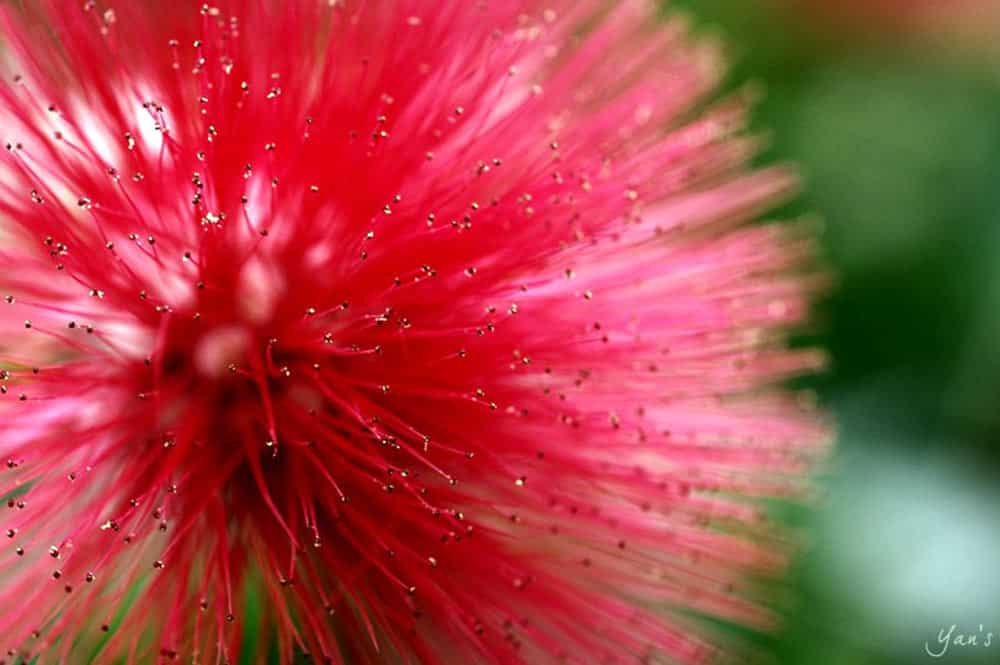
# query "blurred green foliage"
(899, 147)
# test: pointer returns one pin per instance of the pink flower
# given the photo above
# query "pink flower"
(432, 332)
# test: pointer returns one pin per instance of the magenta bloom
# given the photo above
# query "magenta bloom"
(423, 331)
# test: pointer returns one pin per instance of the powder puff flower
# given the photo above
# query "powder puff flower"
(422, 331)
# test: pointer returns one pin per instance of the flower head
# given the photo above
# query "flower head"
(417, 331)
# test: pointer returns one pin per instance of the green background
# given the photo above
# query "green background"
(898, 139)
